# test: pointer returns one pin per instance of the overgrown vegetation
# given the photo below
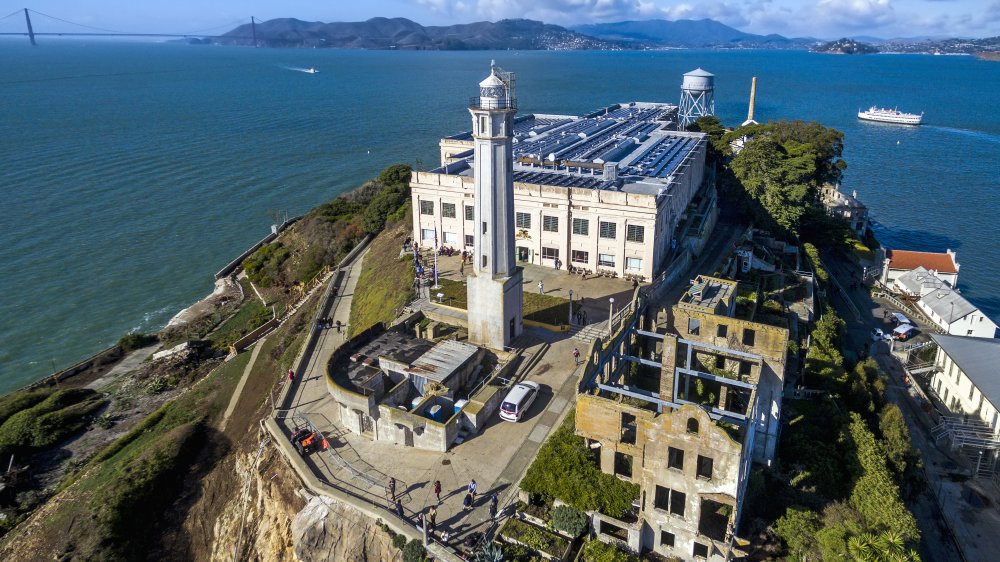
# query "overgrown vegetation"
(136, 340)
(568, 520)
(846, 457)
(596, 551)
(326, 234)
(59, 415)
(535, 538)
(566, 469)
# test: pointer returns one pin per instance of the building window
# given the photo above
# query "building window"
(608, 229)
(692, 426)
(677, 501)
(580, 257)
(633, 264)
(694, 326)
(662, 498)
(628, 429)
(607, 260)
(448, 210)
(450, 238)
(427, 235)
(675, 458)
(426, 207)
(745, 367)
(666, 539)
(469, 241)
(550, 253)
(635, 233)
(470, 213)
(722, 331)
(581, 227)
(522, 220)
(748, 336)
(700, 550)
(720, 362)
(550, 224)
(623, 465)
(704, 467)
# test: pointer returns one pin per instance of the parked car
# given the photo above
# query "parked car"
(518, 400)
(878, 335)
(900, 319)
(904, 332)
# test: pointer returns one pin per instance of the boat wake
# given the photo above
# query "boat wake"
(309, 70)
(980, 135)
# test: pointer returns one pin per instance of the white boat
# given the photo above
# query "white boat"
(890, 116)
(311, 70)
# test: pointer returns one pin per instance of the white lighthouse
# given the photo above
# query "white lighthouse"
(494, 293)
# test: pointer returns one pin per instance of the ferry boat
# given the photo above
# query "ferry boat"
(890, 116)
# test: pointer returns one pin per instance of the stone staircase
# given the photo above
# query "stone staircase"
(588, 333)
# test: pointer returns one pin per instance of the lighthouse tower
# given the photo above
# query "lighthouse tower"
(494, 293)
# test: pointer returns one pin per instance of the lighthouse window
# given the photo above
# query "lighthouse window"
(484, 260)
(483, 122)
(484, 227)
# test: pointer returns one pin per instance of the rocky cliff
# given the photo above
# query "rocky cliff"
(273, 519)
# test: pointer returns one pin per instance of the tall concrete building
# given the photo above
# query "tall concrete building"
(495, 292)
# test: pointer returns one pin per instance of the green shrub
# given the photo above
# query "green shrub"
(397, 174)
(399, 541)
(597, 551)
(569, 520)
(136, 340)
(566, 469)
(534, 537)
(17, 401)
(263, 267)
(414, 552)
(46, 423)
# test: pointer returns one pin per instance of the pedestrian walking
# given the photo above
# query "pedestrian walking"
(437, 490)
(461, 268)
(472, 488)
(432, 514)
(392, 488)
(338, 326)
(445, 535)
(291, 375)
(467, 502)
(576, 358)
(541, 288)
(399, 509)
(494, 503)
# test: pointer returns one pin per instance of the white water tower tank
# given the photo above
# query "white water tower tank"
(697, 96)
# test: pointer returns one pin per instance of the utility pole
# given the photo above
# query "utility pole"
(253, 31)
(31, 32)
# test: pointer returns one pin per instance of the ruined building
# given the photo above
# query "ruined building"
(683, 408)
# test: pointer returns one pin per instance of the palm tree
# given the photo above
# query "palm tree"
(887, 546)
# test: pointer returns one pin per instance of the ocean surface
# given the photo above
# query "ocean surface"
(131, 172)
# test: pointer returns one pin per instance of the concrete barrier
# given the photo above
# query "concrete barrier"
(235, 264)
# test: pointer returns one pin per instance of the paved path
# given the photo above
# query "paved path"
(235, 399)
(131, 362)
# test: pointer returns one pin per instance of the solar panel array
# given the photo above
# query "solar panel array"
(661, 159)
(561, 180)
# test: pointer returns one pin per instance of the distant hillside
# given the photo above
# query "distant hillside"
(687, 33)
(845, 47)
(401, 33)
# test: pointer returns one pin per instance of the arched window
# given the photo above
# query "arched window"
(692, 425)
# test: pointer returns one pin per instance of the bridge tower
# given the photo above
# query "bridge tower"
(495, 294)
(253, 31)
(31, 32)
(697, 97)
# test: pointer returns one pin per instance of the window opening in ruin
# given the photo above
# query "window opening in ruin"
(692, 425)
(723, 330)
(623, 465)
(714, 519)
(628, 429)
(675, 458)
(704, 467)
(666, 539)
(694, 326)
(700, 550)
(748, 336)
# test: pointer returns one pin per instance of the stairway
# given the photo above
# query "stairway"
(590, 332)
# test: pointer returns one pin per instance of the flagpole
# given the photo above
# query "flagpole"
(436, 286)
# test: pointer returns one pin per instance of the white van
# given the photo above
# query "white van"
(904, 332)
(901, 319)
(518, 400)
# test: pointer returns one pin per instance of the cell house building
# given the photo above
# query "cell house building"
(605, 192)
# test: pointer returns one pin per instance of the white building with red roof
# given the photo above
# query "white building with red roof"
(941, 265)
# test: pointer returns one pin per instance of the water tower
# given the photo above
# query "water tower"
(697, 96)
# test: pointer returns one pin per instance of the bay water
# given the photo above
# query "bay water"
(131, 172)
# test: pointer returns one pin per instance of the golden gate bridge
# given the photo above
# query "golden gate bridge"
(30, 33)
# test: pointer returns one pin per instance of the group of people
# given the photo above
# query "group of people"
(428, 518)
(327, 323)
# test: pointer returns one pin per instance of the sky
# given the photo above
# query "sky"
(826, 19)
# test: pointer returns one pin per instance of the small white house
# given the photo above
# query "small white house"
(898, 262)
(944, 305)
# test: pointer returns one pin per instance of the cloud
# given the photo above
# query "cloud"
(856, 13)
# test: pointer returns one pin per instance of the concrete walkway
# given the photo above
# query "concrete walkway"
(131, 362)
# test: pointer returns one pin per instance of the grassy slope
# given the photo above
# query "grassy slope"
(540, 308)
(385, 283)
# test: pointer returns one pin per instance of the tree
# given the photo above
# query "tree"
(886, 546)
(905, 459)
(875, 494)
(798, 528)
(414, 551)
(397, 174)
